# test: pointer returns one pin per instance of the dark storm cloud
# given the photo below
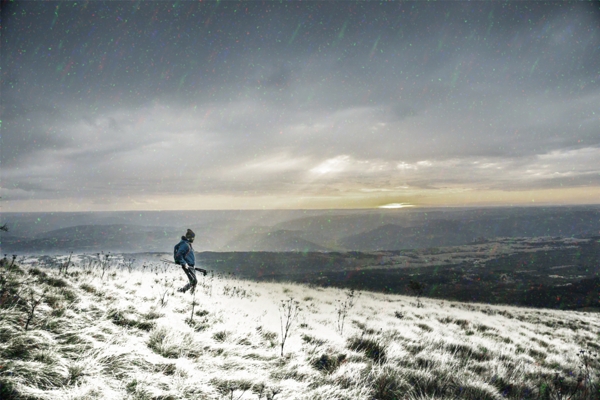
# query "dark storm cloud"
(226, 97)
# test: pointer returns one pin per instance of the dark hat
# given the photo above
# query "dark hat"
(190, 234)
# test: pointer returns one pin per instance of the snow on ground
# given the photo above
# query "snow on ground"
(113, 331)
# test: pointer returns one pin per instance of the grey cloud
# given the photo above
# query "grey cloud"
(184, 103)
(397, 111)
(13, 107)
(25, 137)
(26, 188)
(277, 76)
(591, 179)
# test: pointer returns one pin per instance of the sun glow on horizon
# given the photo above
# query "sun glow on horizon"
(396, 205)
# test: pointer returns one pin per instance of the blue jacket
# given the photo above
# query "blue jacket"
(184, 253)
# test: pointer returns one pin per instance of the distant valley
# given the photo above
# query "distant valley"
(537, 272)
(296, 230)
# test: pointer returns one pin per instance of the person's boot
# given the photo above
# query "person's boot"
(193, 289)
(184, 289)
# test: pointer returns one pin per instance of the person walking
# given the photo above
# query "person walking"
(184, 256)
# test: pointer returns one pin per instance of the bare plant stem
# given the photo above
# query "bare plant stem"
(288, 312)
(193, 305)
(33, 303)
(274, 392)
(63, 268)
(343, 309)
(105, 264)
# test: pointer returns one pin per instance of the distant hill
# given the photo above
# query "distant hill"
(394, 237)
(469, 228)
(293, 230)
(92, 238)
(279, 240)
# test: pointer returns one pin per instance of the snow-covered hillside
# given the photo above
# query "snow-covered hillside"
(118, 331)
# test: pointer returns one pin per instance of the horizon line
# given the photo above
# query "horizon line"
(380, 208)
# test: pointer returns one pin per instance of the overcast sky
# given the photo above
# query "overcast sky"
(186, 105)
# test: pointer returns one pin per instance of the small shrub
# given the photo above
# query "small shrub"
(75, 274)
(267, 335)
(22, 346)
(198, 325)
(537, 354)
(259, 389)
(45, 356)
(589, 382)
(166, 369)
(328, 364)
(120, 318)
(131, 386)
(56, 282)
(371, 346)
(58, 312)
(201, 313)
(227, 387)
(476, 390)
(159, 344)
(466, 352)
(463, 323)
(75, 372)
(359, 325)
(387, 384)
(68, 294)
(152, 314)
(145, 325)
(74, 338)
(53, 301)
(88, 288)
(312, 340)
(220, 336)
(138, 390)
(235, 291)
(415, 348)
(171, 344)
(38, 272)
(7, 390)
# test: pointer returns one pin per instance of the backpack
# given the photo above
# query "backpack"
(187, 252)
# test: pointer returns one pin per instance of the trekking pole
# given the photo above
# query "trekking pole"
(173, 262)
